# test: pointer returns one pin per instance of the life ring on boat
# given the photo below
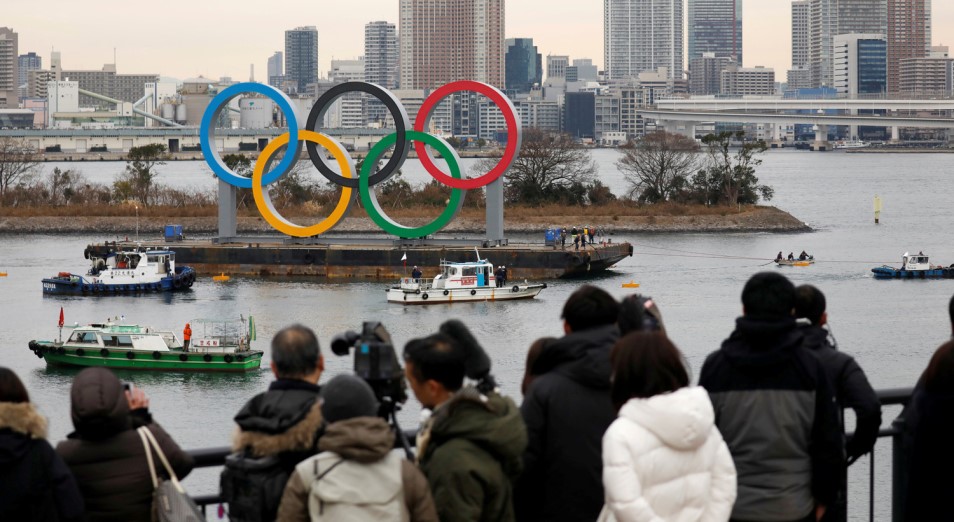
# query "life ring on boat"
(446, 292)
(239, 358)
(309, 259)
(130, 355)
(473, 292)
(515, 289)
(80, 352)
(189, 281)
(104, 352)
(73, 284)
(424, 296)
(156, 355)
(207, 358)
(228, 358)
(176, 283)
(86, 288)
(86, 254)
(183, 357)
(417, 291)
(61, 351)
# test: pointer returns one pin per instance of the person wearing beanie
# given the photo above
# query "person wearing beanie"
(358, 475)
(106, 454)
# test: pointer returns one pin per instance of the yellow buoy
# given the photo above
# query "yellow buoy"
(221, 277)
(630, 284)
(3, 274)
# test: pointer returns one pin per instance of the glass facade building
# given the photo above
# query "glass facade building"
(524, 65)
(715, 26)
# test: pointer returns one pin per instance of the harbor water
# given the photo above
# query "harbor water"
(891, 327)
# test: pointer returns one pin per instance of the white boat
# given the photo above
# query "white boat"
(457, 282)
(851, 144)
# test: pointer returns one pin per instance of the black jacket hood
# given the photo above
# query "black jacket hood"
(98, 405)
(285, 404)
(758, 342)
(581, 356)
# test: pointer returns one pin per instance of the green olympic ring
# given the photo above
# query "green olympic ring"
(370, 201)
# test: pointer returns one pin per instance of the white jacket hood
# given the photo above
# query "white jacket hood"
(682, 419)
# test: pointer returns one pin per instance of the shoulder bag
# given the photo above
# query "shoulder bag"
(170, 502)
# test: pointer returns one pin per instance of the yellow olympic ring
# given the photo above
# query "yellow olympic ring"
(264, 202)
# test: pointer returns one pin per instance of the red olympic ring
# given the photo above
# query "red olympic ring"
(513, 133)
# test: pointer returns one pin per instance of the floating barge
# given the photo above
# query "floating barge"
(336, 260)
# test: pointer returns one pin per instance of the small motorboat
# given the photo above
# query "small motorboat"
(124, 272)
(217, 346)
(916, 266)
(795, 262)
(468, 281)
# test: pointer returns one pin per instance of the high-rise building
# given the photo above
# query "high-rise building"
(524, 65)
(860, 64)
(26, 63)
(446, 40)
(301, 56)
(642, 35)
(585, 70)
(579, 114)
(909, 35)
(830, 18)
(715, 26)
(799, 76)
(276, 69)
(556, 65)
(748, 81)
(705, 73)
(9, 77)
(932, 75)
(106, 82)
(381, 54)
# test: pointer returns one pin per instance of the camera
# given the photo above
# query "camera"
(376, 362)
(128, 386)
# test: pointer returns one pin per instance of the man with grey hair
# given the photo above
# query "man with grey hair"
(277, 428)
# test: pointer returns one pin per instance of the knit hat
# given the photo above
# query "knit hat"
(345, 397)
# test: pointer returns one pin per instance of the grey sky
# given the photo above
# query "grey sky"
(216, 38)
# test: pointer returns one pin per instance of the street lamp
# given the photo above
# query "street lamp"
(137, 223)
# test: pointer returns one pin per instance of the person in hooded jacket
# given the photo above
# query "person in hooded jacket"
(663, 458)
(775, 409)
(470, 447)
(105, 453)
(358, 475)
(852, 389)
(567, 408)
(35, 484)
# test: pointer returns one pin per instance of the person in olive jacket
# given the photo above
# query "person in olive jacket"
(471, 446)
(105, 453)
(35, 484)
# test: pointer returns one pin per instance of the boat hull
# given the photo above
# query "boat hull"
(57, 354)
(79, 285)
(463, 295)
(887, 272)
(796, 262)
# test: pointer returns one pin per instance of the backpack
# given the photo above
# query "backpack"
(340, 489)
(253, 486)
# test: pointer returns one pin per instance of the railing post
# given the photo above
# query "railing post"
(899, 472)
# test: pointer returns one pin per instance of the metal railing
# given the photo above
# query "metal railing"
(214, 457)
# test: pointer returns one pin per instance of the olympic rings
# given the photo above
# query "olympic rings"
(211, 116)
(514, 133)
(370, 201)
(264, 201)
(401, 126)
(400, 139)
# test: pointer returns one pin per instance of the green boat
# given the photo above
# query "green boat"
(217, 346)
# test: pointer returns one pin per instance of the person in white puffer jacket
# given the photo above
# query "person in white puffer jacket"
(663, 457)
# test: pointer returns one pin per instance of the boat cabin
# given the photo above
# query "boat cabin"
(465, 275)
(130, 337)
(159, 262)
(915, 262)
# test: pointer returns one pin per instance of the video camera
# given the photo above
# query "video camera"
(376, 362)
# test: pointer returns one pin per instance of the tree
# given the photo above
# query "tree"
(734, 174)
(550, 169)
(18, 161)
(658, 165)
(242, 166)
(137, 180)
(63, 185)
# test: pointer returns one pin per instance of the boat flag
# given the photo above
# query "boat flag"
(251, 328)
(61, 317)
(404, 257)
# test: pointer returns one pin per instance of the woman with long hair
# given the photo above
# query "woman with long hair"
(663, 458)
(35, 484)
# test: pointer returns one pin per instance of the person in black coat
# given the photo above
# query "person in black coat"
(35, 484)
(851, 386)
(567, 408)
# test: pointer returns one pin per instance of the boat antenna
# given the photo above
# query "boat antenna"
(477, 252)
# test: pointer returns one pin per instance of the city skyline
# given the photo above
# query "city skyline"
(215, 42)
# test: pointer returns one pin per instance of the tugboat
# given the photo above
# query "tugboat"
(914, 267)
(219, 346)
(123, 272)
(468, 281)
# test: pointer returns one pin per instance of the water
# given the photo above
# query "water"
(891, 327)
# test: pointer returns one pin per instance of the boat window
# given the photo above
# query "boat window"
(123, 340)
(469, 271)
(109, 340)
(453, 270)
(83, 337)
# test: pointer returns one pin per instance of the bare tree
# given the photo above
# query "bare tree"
(658, 165)
(18, 160)
(734, 174)
(551, 168)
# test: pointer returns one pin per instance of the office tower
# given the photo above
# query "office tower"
(446, 40)
(26, 63)
(276, 72)
(579, 114)
(301, 56)
(748, 81)
(715, 26)
(556, 65)
(8, 68)
(642, 35)
(830, 18)
(931, 75)
(524, 65)
(799, 76)
(860, 64)
(909, 35)
(381, 65)
(705, 73)
(585, 70)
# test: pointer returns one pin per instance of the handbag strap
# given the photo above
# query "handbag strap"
(144, 432)
(146, 446)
